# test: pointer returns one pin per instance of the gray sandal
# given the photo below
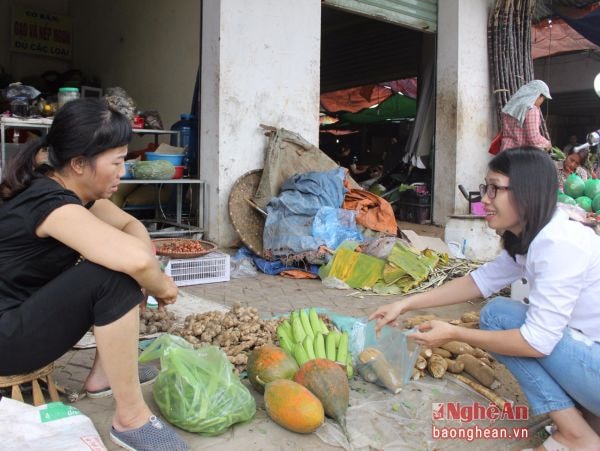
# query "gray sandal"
(155, 435)
(147, 375)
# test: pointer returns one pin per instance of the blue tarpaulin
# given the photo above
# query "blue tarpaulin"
(288, 228)
(587, 26)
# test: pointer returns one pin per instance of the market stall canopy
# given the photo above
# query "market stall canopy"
(396, 107)
(566, 27)
(353, 100)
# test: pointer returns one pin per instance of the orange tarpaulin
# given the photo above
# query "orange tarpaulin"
(372, 211)
(549, 40)
(354, 99)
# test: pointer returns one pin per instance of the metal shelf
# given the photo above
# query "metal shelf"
(46, 123)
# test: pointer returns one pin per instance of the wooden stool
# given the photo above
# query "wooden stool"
(44, 374)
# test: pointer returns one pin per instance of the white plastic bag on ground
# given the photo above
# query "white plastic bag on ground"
(54, 426)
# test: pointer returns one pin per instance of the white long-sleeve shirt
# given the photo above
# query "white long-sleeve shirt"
(562, 268)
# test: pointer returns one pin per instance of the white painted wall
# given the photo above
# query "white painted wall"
(22, 65)
(260, 65)
(572, 72)
(465, 124)
(149, 48)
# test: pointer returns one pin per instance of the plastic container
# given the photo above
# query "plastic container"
(175, 159)
(187, 128)
(178, 172)
(128, 174)
(213, 267)
(183, 127)
(19, 107)
(66, 94)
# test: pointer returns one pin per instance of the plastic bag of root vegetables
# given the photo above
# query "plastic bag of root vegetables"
(196, 389)
(388, 359)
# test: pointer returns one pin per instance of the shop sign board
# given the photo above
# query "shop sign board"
(40, 33)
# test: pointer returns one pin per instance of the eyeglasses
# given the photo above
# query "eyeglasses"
(491, 190)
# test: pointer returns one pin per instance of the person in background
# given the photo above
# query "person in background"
(349, 160)
(572, 164)
(522, 117)
(345, 157)
(552, 343)
(571, 145)
(70, 259)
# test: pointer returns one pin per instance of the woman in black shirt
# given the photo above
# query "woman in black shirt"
(51, 214)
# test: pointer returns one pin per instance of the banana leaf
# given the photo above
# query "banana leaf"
(417, 265)
(356, 269)
(383, 288)
(392, 273)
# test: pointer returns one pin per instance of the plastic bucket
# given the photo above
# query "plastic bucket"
(175, 159)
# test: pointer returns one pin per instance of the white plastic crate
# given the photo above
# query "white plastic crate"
(213, 267)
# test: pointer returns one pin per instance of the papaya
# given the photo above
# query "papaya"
(293, 406)
(269, 363)
(329, 383)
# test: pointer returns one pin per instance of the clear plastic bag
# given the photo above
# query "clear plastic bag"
(331, 226)
(242, 265)
(196, 389)
(395, 354)
(388, 359)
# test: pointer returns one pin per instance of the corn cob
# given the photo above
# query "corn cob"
(309, 347)
(285, 341)
(342, 350)
(300, 354)
(298, 330)
(330, 349)
(306, 323)
(319, 344)
(315, 325)
(324, 329)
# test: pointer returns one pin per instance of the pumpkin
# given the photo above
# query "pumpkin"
(328, 382)
(269, 363)
(293, 406)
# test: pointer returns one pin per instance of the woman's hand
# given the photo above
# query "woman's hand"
(168, 295)
(387, 314)
(434, 333)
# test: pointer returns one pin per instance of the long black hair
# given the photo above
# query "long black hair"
(533, 184)
(81, 128)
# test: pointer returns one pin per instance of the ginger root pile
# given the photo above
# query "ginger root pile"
(236, 332)
(153, 321)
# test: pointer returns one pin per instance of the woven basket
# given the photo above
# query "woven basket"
(247, 221)
(207, 246)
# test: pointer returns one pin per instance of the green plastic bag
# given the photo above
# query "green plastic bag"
(196, 389)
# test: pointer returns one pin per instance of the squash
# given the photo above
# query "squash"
(293, 406)
(328, 382)
(269, 363)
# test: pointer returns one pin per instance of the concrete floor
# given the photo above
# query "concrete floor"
(273, 295)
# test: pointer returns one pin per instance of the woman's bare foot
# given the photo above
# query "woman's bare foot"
(96, 380)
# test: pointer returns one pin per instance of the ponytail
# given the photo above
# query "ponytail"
(21, 169)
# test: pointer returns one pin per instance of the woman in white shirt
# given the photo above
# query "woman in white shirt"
(552, 344)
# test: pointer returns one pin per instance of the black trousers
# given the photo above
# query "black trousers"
(51, 321)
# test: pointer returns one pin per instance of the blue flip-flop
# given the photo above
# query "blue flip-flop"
(147, 375)
(155, 435)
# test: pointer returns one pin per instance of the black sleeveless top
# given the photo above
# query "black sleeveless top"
(28, 262)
